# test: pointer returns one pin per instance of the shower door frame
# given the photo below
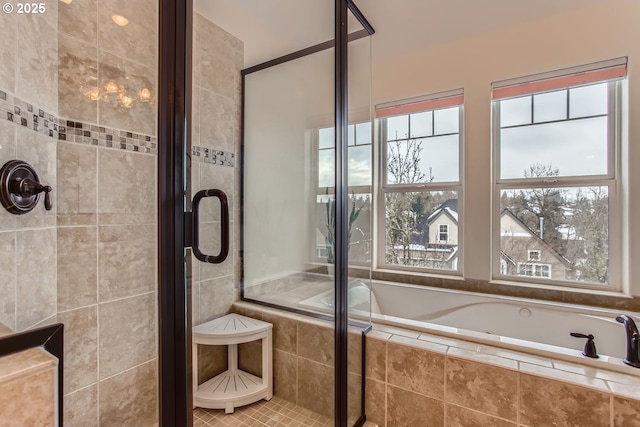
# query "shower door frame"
(174, 149)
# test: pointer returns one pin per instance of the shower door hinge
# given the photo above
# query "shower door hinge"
(188, 229)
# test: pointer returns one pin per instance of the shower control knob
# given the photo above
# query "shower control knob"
(589, 346)
(20, 188)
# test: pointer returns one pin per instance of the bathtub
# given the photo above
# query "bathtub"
(531, 326)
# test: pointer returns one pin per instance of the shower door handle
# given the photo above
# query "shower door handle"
(224, 226)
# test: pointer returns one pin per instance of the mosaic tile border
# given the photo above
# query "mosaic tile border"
(24, 114)
(215, 157)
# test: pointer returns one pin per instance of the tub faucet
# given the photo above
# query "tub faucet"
(633, 341)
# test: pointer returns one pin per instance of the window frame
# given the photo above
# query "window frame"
(382, 188)
(611, 180)
(440, 232)
(536, 251)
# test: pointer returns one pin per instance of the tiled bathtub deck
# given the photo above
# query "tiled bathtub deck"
(275, 413)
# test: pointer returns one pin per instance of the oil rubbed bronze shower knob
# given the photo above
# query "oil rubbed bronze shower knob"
(20, 188)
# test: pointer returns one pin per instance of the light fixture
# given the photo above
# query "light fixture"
(66, 1)
(120, 20)
(111, 87)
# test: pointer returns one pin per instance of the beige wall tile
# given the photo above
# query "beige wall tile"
(316, 342)
(220, 177)
(415, 369)
(28, 402)
(37, 59)
(127, 79)
(285, 369)
(127, 261)
(81, 347)
(482, 387)
(376, 363)
(138, 40)
(250, 357)
(405, 408)
(316, 387)
(77, 286)
(626, 412)
(77, 77)
(8, 52)
(217, 124)
(375, 401)
(126, 187)
(216, 298)
(462, 417)
(78, 19)
(548, 402)
(212, 360)
(195, 113)
(219, 57)
(40, 152)
(195, 303)
(36, 293)
(127, 331)
(76, 191)
(7, 153)
(354, 396)
(81, 408)
(8, 282)
(354, 346)
(130, 399)
(285, 331)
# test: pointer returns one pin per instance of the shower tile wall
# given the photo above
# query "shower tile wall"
(217, 61)
(106, 211)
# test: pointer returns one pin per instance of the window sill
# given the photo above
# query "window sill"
(560, 288)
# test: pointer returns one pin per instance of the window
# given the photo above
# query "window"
(443, 236)
(534, 255)
(360, 178)
(556, 139)
(420, 183)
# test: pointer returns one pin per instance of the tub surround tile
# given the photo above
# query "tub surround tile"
(77, 189)
(480, 356)
(547, 402)
(77, 287)
(626, 412)
(29, 402)
(596, 373)
(489, 389)
(129, 399)
(631, 391)
(316, 342)
(285, 370)
(81, 407)
(123, 178)
(316, 387)
(8, 283)
(375, 401)
(462, 417)
(8, 52)
(77, 79)
(416, 369)
(285, 330)
(7, 153)
(127, 261)
(405, 408)
(217, 129)
(127, 331)
(412, 342)
(81, 347)
(250, 357)
(36, 294)
(555, 374)
(376, 357)
(354, 349)
(396, 331)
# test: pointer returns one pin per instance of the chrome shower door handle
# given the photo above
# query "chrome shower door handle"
(224, 226)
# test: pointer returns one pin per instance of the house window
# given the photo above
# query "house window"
(534, 255)
(420, 183)
(556, 140)
(443, 233)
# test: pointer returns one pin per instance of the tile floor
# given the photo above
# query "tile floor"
(275, 413)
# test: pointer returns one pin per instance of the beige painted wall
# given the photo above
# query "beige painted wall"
(586, 34)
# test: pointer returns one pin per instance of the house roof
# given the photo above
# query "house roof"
(449, 207)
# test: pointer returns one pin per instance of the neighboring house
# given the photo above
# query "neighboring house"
(524, 253)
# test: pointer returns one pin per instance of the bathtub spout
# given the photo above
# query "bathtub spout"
(633, 340)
